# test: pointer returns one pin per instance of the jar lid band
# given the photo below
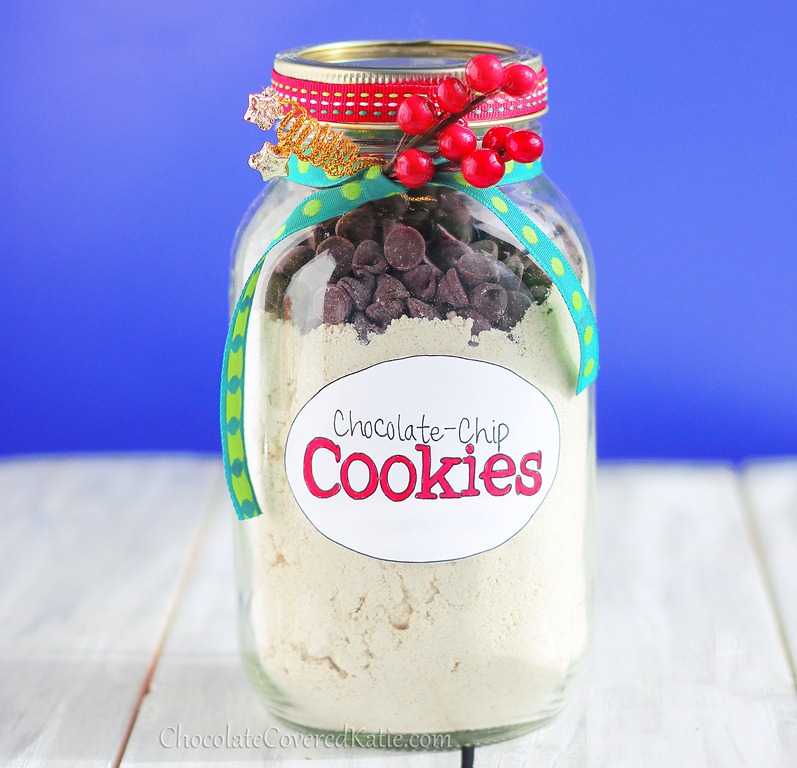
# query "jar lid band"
(360, 85)
(375, 104)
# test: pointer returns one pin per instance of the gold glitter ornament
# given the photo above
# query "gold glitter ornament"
(318, 144)
(302, 135)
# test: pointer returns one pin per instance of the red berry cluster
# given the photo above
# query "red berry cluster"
(418, 116)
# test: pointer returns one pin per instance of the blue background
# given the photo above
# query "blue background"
(123, 177)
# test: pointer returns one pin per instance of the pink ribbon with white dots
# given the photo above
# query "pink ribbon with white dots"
(378, 102)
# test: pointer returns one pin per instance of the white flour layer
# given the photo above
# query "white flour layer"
(483, 642)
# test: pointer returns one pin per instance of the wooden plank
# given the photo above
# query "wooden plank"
(90, 556)
(771, 493)
(687, 667)
(200, 684)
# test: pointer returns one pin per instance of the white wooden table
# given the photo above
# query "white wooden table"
(118, 624)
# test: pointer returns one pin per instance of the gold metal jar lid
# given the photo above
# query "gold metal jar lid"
(359, 85)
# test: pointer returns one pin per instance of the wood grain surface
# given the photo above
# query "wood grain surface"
(118, 623)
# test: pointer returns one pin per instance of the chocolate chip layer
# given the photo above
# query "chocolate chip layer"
(421, 255)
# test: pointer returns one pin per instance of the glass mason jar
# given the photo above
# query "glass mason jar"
(425, 469)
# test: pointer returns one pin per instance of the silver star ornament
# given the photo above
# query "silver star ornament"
(264, 108)
(269, 162)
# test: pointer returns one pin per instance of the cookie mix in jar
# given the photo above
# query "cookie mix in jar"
(407, 416)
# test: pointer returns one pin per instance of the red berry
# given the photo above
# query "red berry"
(520, 80)
(414, 168)
(496, 137)
(485, 73)
(483, 168)
(452, 95)
(524, 146)
(416, 115)
(456, 142)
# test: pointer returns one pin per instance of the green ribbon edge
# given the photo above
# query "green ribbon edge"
(335, 197)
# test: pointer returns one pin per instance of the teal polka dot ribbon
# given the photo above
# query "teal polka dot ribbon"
(335, 196)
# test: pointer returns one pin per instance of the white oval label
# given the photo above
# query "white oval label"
(423, 459)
